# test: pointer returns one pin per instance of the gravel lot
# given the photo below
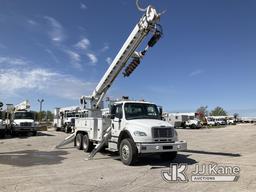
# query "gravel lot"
(32, 164)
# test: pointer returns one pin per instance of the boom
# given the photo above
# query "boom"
(148, 23)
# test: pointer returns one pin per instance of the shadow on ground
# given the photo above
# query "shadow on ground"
(214, 153)
(152, 160)
(156, 162)
(25, 135)
(27, 158)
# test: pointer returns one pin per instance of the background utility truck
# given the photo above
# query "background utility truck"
(64, 118)
(21, 120)
(133, 127)
(183, 120)
(2, 123)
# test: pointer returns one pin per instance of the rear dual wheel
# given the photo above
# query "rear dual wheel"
(82, 142)
(79, 141)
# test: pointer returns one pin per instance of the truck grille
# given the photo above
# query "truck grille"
(26, 124)
(162, 132)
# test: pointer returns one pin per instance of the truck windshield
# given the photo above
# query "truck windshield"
(70, 115)
(141, 111)
(23, 115)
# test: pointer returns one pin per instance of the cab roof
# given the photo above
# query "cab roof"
(132, 101)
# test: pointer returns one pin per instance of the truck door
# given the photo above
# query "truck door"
(118, 120)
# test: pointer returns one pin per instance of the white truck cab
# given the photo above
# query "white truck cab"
(23, 121)
(210, 121)
(136, 128)
(193, 123)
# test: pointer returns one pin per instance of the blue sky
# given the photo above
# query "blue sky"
(59, 50)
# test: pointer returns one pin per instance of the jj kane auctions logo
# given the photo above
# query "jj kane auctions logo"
(201, 173)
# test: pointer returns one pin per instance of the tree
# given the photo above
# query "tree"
(203, 110)
(49, 115)
(236, 115)
(218, 111)
(44, 115)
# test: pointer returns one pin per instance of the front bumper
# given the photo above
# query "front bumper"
(161, 147)
(24, 129)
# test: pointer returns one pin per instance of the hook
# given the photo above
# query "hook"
(139, 8)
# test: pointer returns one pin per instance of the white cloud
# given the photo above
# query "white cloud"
(56, 32)
(53, 56)
(12, 61)
(13, 81)
(83, 6)
(105, 48)
(83, 44)
(92, 58)
(75, 58)
(109, 60)
(31, 22)
(196, 72)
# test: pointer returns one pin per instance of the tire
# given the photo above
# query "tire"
(193, 126)
(13, 133)
(128, 152)
(34, 133)
(79, 141)
(168, 156)
(66, 129)
(2, 133)
(87, 144)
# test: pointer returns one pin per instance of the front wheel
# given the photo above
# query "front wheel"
(128, 152)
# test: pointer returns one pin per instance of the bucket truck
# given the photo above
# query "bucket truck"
(64, 118)
(132, 128)
(20, 119)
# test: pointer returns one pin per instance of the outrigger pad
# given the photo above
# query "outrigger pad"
(66, 141)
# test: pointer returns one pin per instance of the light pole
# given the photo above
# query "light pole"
(40, 108)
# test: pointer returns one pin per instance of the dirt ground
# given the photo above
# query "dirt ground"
(32, 164)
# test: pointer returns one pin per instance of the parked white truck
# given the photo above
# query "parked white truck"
(183, 120)
(21, 119)
(64, 118)
(2, 124)
(133, 128)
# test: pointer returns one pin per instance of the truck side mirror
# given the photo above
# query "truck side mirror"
(161, 112)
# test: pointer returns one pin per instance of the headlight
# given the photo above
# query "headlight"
(139, 133)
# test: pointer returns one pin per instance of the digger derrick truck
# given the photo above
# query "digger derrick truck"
(132, 128)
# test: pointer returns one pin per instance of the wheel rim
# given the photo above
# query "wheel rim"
(125, 152)
(78, 140)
